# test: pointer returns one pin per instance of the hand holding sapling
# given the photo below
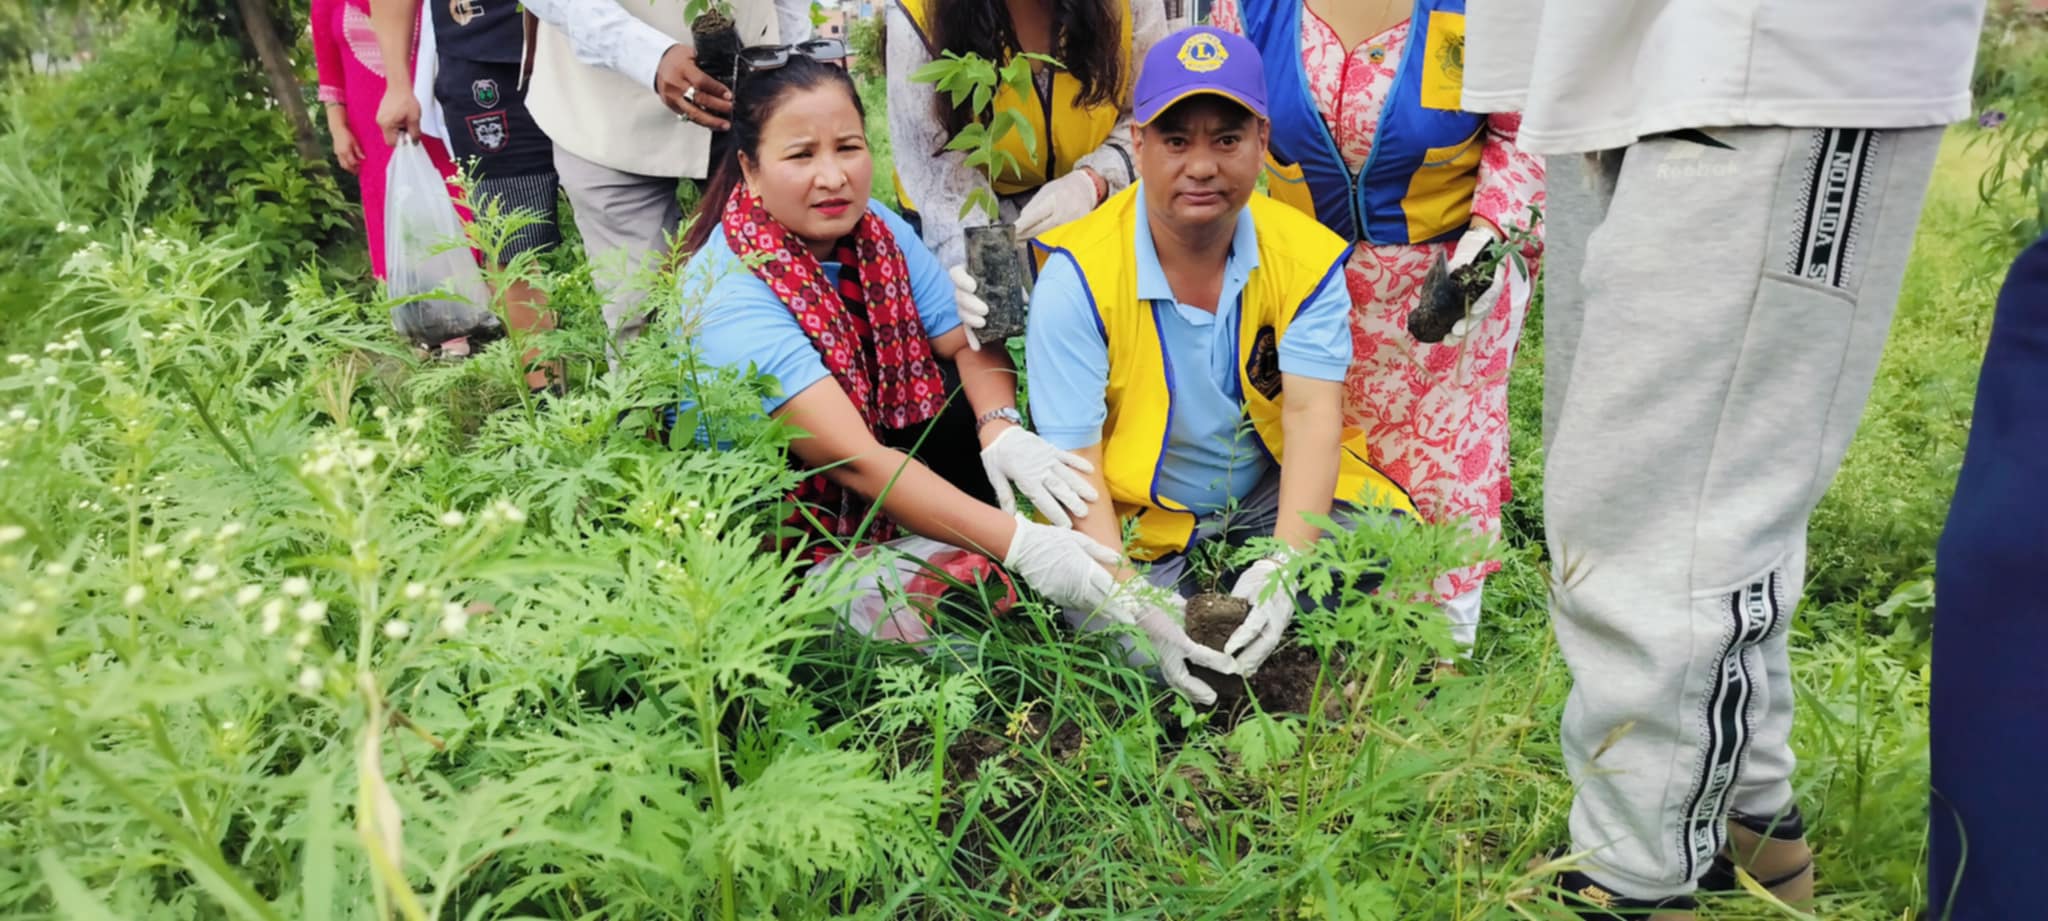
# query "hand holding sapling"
(1472, 276)
(993, 259)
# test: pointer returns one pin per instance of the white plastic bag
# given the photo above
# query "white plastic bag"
(894, 601)
(425, 251)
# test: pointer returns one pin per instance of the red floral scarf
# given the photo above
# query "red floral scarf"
(867, 330)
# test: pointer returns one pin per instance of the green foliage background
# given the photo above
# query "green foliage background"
(295, 625)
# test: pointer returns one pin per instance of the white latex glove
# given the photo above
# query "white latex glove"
(1051, 478)
(1067, 567)
(1469, 247)
(972, 309)
(1272, 610)
(1068, 198)
(1160, 613)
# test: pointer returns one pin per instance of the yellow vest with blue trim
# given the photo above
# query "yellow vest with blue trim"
(1417, 183)
(1297, 257)
(1076, 130)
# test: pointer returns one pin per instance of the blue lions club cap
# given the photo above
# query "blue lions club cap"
(1200, 60)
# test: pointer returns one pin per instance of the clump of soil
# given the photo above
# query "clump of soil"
(1447, 297)
(1001, 280)
(1285, 682)
(717, 39)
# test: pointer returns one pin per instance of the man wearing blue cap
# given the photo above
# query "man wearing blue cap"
(1178, 310)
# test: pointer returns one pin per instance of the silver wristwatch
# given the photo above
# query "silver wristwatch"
(1006, 413)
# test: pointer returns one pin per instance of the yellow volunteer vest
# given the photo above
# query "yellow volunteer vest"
(1077, 130)
(1296, 256)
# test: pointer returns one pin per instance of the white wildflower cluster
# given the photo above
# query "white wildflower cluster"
(158, 248)
(678, 517)
(423, 599)
(73, 341)
(90, 259)
(294, 603)
(337, 452)
(18, 417)
(454, 618)
(68, 227)
(502, 512)
(404, 447)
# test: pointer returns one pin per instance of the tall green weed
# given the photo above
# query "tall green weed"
(286, 642)
(222, 155)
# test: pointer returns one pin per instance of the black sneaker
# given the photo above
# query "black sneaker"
(1788, 827)
(1590, 900)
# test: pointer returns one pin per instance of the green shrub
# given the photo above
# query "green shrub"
(222, 156)
(2011, 87)
(284, 641)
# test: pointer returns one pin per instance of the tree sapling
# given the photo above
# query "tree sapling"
(993, 257)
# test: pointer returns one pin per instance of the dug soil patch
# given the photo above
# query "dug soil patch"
(1286, 683)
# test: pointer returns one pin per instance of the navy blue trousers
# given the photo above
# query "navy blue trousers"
(1988, 840)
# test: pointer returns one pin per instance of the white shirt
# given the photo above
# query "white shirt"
(1599, 74)
(605, 35)
(593, 78)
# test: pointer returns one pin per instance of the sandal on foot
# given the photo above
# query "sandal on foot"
(1788, 831)
(1591, 900)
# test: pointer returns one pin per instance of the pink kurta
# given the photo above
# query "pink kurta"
(351, 70)
(1436, 416)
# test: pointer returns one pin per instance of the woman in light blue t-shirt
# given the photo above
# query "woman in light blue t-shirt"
(834, 298)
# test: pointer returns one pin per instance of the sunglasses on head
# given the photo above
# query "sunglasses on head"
(770, 57)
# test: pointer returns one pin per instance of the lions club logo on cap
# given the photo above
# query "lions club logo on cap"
(1203, 53)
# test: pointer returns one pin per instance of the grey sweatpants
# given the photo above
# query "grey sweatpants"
(628, 222)
(1708, 357)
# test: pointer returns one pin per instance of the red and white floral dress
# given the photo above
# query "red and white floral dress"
(1436, 416)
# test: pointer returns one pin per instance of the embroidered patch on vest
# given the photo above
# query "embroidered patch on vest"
(1262, 366)
(1443, 67)
(490, 131)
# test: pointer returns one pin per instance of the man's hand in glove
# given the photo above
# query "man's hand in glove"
(1160, 613)
(1068, 198)
(1067, 567)
(1020, 461)
(972, 309)
(1262, 587)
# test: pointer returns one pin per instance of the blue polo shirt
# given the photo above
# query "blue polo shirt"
(740, 321)
(1212, 455)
